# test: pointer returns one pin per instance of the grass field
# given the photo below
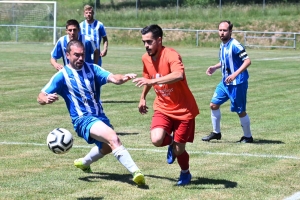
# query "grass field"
(266, 169)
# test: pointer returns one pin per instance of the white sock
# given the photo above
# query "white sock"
(245, 123)
(216, 120)
(125, 159)
(92, 156)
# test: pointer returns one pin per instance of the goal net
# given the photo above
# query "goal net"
(28, 21)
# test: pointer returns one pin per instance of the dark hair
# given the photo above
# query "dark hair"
(228, 22)
(72, 22)
(154, 29)
(76, 43)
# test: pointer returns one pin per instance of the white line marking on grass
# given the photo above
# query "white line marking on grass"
(295, 196)
(281, 58)
(163, 151)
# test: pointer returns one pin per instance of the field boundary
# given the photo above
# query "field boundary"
(164, 151)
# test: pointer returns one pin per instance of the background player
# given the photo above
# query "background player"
(234, 62)
(95, 30)
(73, 32)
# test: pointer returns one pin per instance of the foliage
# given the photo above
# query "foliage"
(198, 2)
(273, 18)
(117, 4)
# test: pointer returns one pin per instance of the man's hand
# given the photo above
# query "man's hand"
(103, 53)
(119, 79)
(129, 76)
(51, 98)
(44, 98)
(55, 64)
(143, 109)
(58, 66)
(211, 70)
(142, 81)
(229, 79)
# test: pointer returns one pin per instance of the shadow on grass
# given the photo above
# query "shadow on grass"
(160, 177)
(119, 101)
(119, 133)
(90, 198)
(196, 182)
(255, 141)
(124, 178)
(216, 182)
(268, 141)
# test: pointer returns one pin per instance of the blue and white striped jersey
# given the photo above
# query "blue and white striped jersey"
(60, 48)
(80, 89)
(232, 55)
(95, 30)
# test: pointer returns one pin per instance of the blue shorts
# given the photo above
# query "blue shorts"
(83, 124)
(236, 93)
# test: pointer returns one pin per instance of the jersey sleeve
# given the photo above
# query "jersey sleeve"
(102, 32)
(101, 74)
(145, 61)
(239, 50)
(81, 28)
(55, 84)
(175, 61)
(57, 50)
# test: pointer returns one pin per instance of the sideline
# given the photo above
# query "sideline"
(280, 58)
(295, 196)
(163, 151)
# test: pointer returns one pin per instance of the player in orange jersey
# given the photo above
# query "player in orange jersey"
(175, 108)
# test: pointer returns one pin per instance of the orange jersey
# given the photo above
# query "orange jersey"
(174, 100)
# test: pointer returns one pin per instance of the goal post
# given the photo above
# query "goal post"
(30, 14)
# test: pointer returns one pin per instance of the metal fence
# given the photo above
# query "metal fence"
(255, 39)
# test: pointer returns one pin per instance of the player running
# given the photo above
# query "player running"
(175, 108)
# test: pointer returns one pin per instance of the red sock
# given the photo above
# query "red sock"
(183, 160)
(167, 140)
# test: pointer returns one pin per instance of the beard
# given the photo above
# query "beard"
(150, 53)
(225, 38)
(78, 65)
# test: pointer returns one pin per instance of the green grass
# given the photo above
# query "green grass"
(266, 169)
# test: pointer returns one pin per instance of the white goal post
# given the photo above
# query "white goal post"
(34, 2)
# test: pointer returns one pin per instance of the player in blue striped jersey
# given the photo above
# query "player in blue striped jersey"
(73, 32)
(95, 30)
(234, 62)
(79, 83)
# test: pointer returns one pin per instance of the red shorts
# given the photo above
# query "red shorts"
(183, 130)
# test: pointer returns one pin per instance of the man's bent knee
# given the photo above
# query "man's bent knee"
(157, 136)
(114, 142)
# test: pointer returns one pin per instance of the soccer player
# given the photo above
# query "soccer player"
(175, 108)
(95, 30)
(234, 62)
(73, 32)
(79, 84)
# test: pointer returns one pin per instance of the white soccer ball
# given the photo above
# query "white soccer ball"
(60, 140)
